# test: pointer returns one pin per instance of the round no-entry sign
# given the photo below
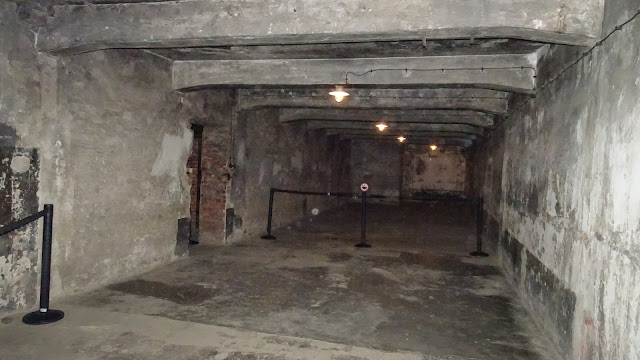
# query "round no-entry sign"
(364, 187)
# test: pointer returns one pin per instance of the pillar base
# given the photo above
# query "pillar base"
(267, 237)
(479, 253)
(42, 318)
(361, 245)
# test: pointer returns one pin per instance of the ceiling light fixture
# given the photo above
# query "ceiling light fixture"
(433, 147)
(382, 126)
(339, 94)
(401, 138)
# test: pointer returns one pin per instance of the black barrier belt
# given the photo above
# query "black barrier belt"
(20, 223)
(357, 195)
(44, 315)
(363, 195)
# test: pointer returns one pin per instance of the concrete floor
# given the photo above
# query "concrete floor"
(308, 295)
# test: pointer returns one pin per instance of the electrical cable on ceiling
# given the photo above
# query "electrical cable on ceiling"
(442, 69)
(561, 73)
(403, 97)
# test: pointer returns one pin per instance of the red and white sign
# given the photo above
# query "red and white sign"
(364, 187)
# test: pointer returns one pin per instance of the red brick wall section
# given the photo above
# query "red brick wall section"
(215, 180)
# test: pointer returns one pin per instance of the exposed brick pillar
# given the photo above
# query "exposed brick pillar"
(215, 180)
(193, 171)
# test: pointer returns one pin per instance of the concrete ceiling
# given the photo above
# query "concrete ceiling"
(482, 100)
(205, 23)
(511, 72)
(445, 73)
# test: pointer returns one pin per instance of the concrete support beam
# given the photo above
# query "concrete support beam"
(473, 118)
(512, 72)
(230, 22)
(414, 140)
(490, 101)
(429, 134)
(346, 126)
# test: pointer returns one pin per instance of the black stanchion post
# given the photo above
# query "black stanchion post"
(479, 209)
(45, 315)
(363, 225)
(268, 236)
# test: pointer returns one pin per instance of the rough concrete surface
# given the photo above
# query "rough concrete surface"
(502, 72)
(25, 85)
(19, 170)
(104, 137)
(92, 334)
(112, 140)
(348, 127)
(411, 48)
(223, 23)
(489, 101)
(474, 118)
(127, 141)
(568, 203)
(310, 294)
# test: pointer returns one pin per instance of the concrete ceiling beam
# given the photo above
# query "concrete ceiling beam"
(78, 28)
(510, 72)
(396, 133)
(473, 118)
(396, 126)
(413, 140)
(490, 101)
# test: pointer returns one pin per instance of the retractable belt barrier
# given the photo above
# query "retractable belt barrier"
(44, 315)
(364, 188)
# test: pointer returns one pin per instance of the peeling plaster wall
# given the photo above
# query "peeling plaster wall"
(440, 171)
(18, 250)
(570, 204)
(107, 142)
(127, 159)
(26, 81)
(286, 156)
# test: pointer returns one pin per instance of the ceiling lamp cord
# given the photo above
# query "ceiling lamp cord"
(442, 69)
(339, 94)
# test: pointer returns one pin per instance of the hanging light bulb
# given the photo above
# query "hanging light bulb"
(433, 147)
(339, 94)
(401, 138)
(382, 127)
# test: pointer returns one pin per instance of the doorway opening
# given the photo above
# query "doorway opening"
(194, 171)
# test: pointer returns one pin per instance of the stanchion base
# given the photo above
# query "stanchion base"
(479, 253)
(268, 237)
(361, 245)
(41, 318)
